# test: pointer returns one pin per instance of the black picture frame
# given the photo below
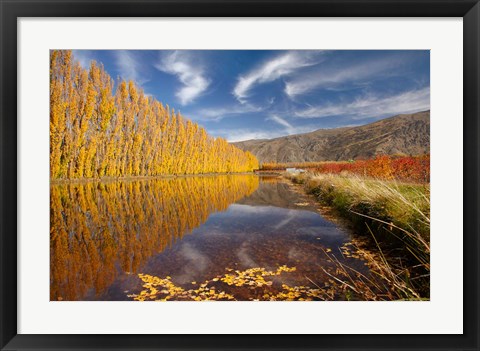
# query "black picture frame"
(12, 10)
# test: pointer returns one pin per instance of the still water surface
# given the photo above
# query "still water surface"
(211, 237)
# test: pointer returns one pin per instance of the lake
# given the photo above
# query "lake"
(223, 237)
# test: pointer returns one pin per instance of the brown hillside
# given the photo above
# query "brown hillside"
(407, 134)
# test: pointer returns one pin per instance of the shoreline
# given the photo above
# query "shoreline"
(133, 178)
(387, 218)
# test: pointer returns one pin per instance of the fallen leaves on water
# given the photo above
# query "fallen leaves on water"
(163, 289)
(158, 289)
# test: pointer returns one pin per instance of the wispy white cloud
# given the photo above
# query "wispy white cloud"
(289, 128)
(244, 256)
(84, 57)
(373, 106)
(290, 216)
(129, 66)
(332, 77)
(239, 210)
(192, 77)
(241, 134)
(194, 263)
(273, 69)
(280, 121)
(215, 114)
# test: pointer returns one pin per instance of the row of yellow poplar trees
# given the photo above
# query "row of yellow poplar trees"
(99, 128)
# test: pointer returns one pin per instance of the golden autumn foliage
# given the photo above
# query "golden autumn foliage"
(99, 128)
(99, 228)
(163, 289)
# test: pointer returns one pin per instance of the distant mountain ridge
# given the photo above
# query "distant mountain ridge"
(405, 134)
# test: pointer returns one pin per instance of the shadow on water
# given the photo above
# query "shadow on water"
(241, 229)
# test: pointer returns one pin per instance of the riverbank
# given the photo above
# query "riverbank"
(132, 178)
(393, 216)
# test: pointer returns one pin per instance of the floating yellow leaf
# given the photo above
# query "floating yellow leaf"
(159, 289)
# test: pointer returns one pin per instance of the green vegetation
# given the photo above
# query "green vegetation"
(396, 216)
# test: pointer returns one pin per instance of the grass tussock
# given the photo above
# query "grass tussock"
(394, 216)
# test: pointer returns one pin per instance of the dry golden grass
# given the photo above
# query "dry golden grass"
(389, 212)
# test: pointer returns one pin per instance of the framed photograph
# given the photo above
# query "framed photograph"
(239, 175)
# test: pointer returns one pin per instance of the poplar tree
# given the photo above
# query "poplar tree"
(96, 132)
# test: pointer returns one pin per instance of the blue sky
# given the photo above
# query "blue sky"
(252, 94)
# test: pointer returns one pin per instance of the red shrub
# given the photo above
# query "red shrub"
(405, 168)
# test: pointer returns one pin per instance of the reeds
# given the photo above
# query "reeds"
(395, 217)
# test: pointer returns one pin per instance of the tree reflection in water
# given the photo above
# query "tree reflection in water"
(98, 230)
